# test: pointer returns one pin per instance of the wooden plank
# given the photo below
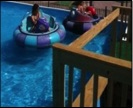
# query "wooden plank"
(88, 54)
(124, 95)
(102, 82)
(110, 93)
(70, 55)
(82, 95)
(58, 81)
(95, 90)
(90, 34)
(70, 91)
(123, 9)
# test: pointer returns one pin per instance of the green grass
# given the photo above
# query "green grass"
(64, 3)
(126, 50)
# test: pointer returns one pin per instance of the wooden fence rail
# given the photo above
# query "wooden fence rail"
(104, 69)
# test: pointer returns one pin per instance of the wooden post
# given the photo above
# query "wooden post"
(124, 95)
(126, 3)
(58, 80)
(105, 11)
(95, 90)
(110, 93)
(122, 3)
(91, 3)
(82, 95)
(70, 89)
(48, 3)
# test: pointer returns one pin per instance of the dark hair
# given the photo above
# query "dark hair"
(35, 9)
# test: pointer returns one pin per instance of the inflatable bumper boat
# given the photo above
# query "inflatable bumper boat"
(79, 23)
(23, 37)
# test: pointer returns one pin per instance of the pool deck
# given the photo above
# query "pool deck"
(103, 4)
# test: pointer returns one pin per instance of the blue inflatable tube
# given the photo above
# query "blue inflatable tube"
(55, 34)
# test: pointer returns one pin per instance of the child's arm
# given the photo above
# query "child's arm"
(34, 20)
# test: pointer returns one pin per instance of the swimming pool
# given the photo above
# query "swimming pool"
(26, 74)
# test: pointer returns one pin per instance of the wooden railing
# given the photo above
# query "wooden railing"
(105, 69)
(125, 18)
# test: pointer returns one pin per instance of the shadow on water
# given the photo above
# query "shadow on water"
(11, 53)
(70, 37)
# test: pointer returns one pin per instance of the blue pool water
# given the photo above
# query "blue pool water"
(26, 74)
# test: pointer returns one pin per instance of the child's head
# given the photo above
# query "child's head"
(35, 9)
